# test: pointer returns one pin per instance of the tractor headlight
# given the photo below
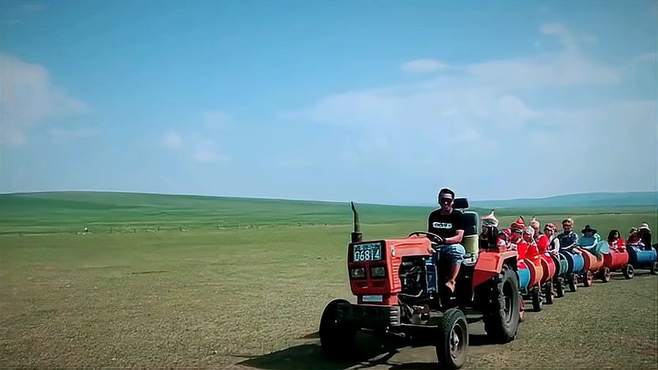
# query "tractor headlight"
(378, 271)
(358, 273)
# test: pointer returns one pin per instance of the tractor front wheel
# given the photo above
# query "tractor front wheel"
(453, 339)
(502, 320)
(654, 268)
(605, 274)
(629, 271)
(336, 335)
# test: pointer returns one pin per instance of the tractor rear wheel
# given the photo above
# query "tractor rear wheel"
(629, 271)
(336, 335)
(536, 299)
(548, 293)
(453, 339)
(573, 281)
(605, 274)
(502, 320)
(559, 288)
(588, 278)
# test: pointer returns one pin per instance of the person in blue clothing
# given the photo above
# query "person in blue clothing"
(568, 238)
(591, 241)
(589, 237)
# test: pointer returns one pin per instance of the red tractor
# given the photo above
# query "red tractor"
(398, 284)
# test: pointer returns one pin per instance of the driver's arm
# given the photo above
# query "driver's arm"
(455, 239)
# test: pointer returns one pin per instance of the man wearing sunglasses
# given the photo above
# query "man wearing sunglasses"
(448, 225)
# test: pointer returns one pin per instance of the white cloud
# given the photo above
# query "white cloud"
(28, 99)
(563, 34)
(423, 66)
(172, 140)
(498, 111)
(206, 151)
(199, 141)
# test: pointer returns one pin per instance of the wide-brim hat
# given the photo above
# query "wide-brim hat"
(588, 229)
(645, 226)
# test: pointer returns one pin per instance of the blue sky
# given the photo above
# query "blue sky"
(375, 101)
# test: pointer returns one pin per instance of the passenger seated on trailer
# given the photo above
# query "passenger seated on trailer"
(515, 237)
(591, 241)
(536, 227)
(568, 238)
(548, 242)
(448, 224)
(488, 238)
(589, 237)
(644, 233)
(615, 241)
(634, 238)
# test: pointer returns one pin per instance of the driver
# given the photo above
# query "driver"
(448, 224)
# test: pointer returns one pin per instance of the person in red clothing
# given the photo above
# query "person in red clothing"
(615, 240)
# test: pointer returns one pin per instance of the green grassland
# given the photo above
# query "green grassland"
(212, 282)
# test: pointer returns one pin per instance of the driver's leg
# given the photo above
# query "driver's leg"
(456, 255)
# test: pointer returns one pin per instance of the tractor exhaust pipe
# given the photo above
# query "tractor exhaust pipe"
(356, 234)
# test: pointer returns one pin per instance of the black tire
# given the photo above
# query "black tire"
(537, 303)
(548, 292)
(573, 281)
(559, 287)
(605, 274)
(453, 339)
(654, 268)
(588, 278)
(336, 336)
(502, 321)
(629, 272)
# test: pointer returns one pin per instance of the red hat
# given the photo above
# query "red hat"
(519, 224)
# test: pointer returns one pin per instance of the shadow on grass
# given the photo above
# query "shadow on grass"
(371, 351)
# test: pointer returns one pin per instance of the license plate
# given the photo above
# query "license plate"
(372, 298)
(367, 252)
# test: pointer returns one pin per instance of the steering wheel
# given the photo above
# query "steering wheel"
(431, 236)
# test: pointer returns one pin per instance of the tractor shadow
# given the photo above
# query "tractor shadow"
(372, 351)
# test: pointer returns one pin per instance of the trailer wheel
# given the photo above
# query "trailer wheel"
(654, 268)
(453, 339)
(502, 321)
(573, 281)
(536, 300)
(559, 288)
(549, 292)
(605, 275)
(588, 278)
(336, 335)
(629, 271)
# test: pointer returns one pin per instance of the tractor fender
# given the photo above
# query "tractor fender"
(490, 264)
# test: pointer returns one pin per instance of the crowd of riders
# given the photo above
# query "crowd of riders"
(549, 241)
(445, 223)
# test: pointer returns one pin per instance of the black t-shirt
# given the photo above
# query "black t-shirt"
(445, 226)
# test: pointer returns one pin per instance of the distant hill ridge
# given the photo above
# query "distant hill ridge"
(585, 200)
